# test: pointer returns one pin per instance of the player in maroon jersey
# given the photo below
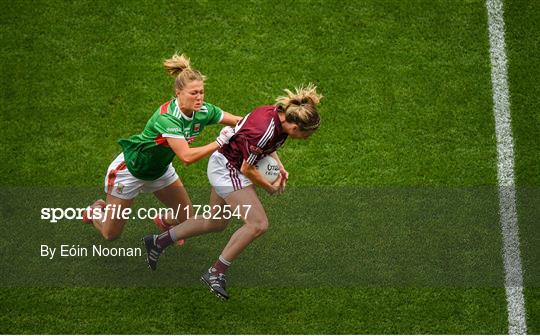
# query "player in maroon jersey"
(233, 176)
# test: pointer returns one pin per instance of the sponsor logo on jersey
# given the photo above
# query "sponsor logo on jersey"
(255, 150)
(174, 130)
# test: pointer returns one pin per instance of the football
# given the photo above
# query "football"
(269, 168)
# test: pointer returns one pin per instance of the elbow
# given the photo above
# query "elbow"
(185, 160)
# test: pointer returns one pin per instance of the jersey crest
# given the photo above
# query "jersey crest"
(255, 150)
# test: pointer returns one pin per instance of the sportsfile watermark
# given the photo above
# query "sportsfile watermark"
(117, 211)
(333, 236)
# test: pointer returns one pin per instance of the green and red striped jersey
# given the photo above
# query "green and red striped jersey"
(148, 154)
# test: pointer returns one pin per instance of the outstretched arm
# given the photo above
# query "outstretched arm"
(189, 155)
(230, 119)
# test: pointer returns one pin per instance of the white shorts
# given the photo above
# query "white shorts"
(120, 183)
(224, 177)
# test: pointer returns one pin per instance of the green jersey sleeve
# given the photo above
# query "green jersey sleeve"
(215, 114)
(168, 126)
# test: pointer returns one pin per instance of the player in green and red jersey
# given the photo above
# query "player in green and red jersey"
(145, 164)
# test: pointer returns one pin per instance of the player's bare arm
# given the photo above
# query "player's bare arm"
(230, 119)
(189, 155)
(251, 172)
(282, 171)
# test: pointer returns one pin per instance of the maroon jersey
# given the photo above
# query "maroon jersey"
(256, 136)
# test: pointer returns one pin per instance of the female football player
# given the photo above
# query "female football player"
(233, 174)
(145, 162)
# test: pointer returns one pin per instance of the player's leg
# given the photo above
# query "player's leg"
(255, 221)
(121, 188)
(255, 224)
(171, 192)
(218, 175)
(155, 244)
(175, 198)
(212, 222)
(111, 223)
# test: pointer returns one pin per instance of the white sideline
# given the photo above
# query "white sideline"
(505, 171)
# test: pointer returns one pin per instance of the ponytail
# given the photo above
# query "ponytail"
(300, 107)
(179, 67)
(176, 64)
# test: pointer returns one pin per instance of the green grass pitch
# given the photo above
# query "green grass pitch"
(407, 119)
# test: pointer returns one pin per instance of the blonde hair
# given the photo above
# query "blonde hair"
(300, 107)
(179, 67)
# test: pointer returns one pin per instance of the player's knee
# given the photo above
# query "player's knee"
(259, 227)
